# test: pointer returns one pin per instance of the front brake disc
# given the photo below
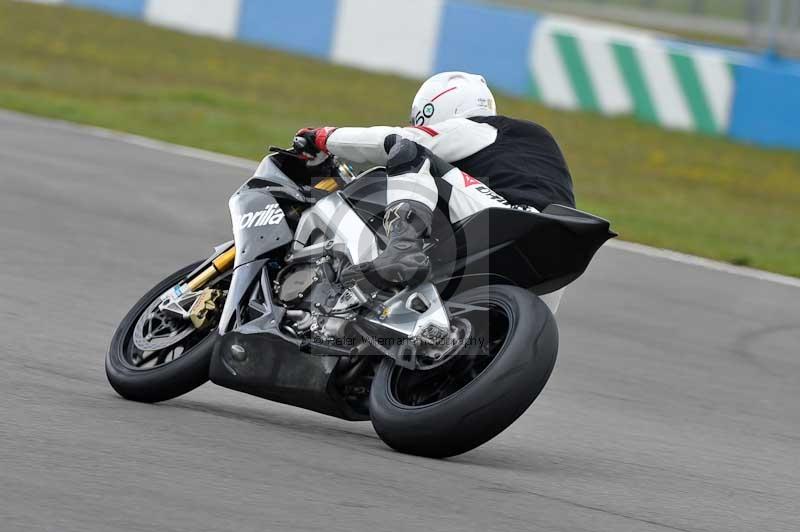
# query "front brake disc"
(155, 331)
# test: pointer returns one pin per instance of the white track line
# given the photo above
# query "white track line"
(195, 153)
(128, 138)
(683, 258)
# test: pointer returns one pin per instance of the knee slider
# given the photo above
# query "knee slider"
(406, 156)
(403, 156)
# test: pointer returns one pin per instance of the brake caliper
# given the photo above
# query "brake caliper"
(206, 302)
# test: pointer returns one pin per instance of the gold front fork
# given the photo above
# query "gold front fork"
(328, 185)
(219, 265)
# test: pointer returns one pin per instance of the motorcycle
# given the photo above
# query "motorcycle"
(281, 312)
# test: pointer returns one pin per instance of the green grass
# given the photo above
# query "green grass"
(691, 193)
(732, 10)
(728, 9)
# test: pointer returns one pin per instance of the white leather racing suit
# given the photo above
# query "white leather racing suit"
(525, 156)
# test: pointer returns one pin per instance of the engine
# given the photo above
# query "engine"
(306, 286)
(319, 306)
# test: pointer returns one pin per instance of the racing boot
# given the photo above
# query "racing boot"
(412, 195)
(402, 263)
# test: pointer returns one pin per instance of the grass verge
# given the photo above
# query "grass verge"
(696, 194)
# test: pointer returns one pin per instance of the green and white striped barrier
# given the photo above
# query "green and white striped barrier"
(560, 61)
(618, 70)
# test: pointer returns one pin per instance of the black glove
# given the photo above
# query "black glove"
(312, 141)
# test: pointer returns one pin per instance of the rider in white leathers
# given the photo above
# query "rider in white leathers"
(455, 134)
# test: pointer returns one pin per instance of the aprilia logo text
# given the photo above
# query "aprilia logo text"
(271, 215)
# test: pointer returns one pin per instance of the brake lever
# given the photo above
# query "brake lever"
(290, 153)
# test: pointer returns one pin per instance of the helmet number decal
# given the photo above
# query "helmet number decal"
(427, 111)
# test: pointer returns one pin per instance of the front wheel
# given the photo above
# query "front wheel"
(464, 403)
(154, 357)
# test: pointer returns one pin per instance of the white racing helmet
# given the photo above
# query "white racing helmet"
(451, 95)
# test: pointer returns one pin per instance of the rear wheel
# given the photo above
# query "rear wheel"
(464, 403)
(154, 357)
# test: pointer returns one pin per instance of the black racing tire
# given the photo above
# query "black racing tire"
(491, 401)
(166, 381)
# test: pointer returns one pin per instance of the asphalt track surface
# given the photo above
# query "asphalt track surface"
(675, 403)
